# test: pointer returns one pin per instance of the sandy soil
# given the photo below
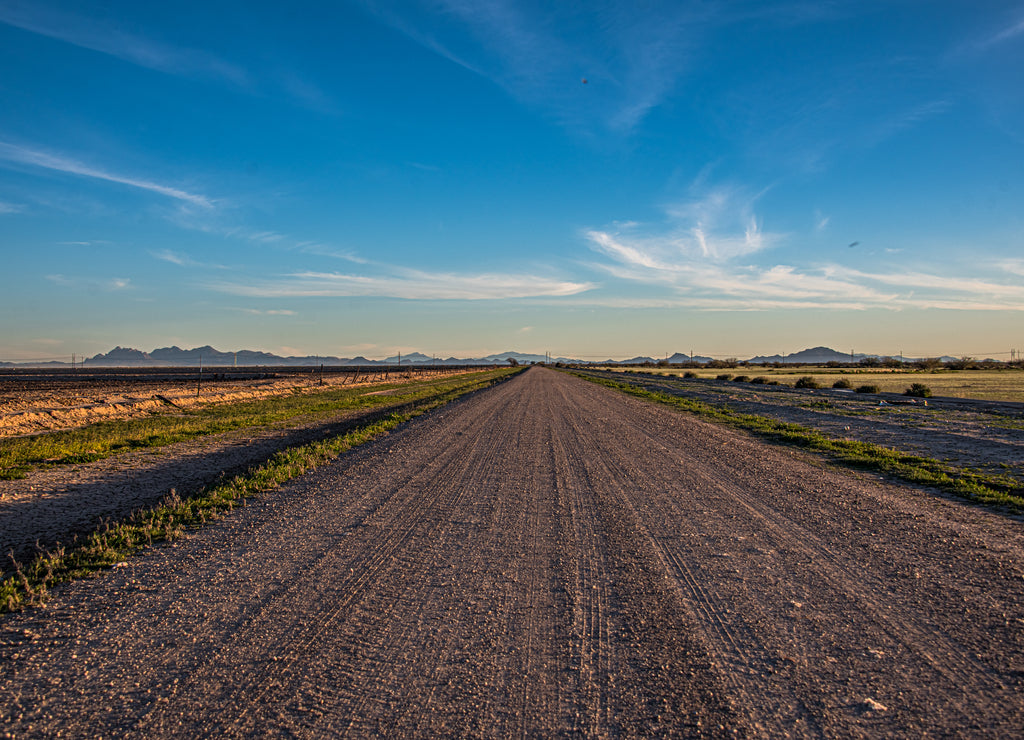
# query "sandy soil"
(547, 558)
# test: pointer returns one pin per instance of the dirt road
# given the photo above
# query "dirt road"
(547, 558)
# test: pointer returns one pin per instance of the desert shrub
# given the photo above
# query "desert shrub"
(842, 384)
(741, 379)
(759, 380)
(723, 376)
(728, 362)
(807, 382)
(689, 374)
(867, 389)
(920, 390)
(964, 363)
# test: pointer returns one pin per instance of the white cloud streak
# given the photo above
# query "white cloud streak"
(86, 33)
(44, 160)
(1014, 29)
(105, 284)
(717, 226)
(703, 260)
(182, 260)
(271, 312)
(406, 284)
(632, 60)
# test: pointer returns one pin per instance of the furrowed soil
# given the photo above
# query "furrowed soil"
(546, 558)
(39, 402)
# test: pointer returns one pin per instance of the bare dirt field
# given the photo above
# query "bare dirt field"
(547, 558)
(970, 433)
(35, 402)
(1005, 384)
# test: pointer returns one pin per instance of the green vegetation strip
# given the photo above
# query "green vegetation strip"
(21, 455)
(29, 584)
(992, 490)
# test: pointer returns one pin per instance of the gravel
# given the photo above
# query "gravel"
(546, 558)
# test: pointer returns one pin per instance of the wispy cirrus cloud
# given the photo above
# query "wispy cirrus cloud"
(207, 222)
(82, 31)
(1014, 267)
(900, 121)
(322, 250)
(100, 35)
(57, 163)
(182, 260)
(105, 284)
(732, 287)
(404, 283)
(11, 207)
(1010, 29)
(704, 258)
(631, 60)
(270, 312)
(718, 224)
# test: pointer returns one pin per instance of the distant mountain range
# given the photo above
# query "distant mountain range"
(210, 357)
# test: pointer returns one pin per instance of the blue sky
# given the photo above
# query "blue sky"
(460, 178)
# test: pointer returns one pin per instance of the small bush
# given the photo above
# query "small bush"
(842, 384)
(759, 380)
(920, 390)
(807, 382)
(741, 379)
(689, 374)
(867, 389)
(723, 376)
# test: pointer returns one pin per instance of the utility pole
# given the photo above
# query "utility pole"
(200, 383)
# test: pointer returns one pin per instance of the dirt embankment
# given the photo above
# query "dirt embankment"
(547, 558)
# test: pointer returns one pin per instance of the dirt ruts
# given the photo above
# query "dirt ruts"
(547, 558)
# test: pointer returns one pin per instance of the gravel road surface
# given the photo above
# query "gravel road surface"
(547, 558)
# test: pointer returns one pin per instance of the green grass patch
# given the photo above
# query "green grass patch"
(982, 488)
(21, 455)
(30, 584)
